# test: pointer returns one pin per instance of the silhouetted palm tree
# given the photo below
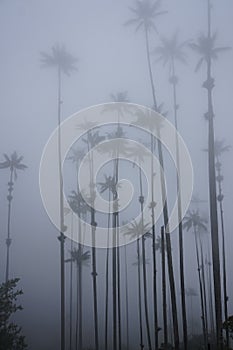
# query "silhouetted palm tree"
(108, 185)
(145, 13)
(198, 223)
(64, 63)
(115, 150)
(92, 139)
(208, 52)
(145, 119)
(169, 52)
(13, 163)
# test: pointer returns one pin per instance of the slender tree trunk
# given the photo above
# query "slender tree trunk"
(141, 201)
(165, 212)
(77, 309)
(164, 289)
(8, 240)
(62, 226)
(94, 271)
(180, 228)
(220, 200)
(126, 299)
(213, 200)
(154, 248)
(114, 265)
(210, 296)
(71, 286)
(107, 278)
(118, 252)
(139, 296)
(204, 285)
(201, 289)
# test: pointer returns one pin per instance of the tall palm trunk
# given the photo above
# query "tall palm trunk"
(164, 292)
(201, 289)
(126, 299)
(204, 285)
(116, 223)
(94, 271)
(181, 249)
(77, 309)
(61, 238)
(107, 277)
(139, 296)
(165, 211)
(209, 279)
(141, 200)
(213, 200)
(220, 200)
(114, 264)
(154, 248)
(71, 285)
(8, 240)
(79, 296)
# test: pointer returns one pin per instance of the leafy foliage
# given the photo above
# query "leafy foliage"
(60, 59)
(10, 333)
(13, 162)
(145, 12)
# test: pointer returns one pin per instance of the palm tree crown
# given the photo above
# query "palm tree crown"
(60, 59)
(13, 162)
(145, 12)
(194, 219)
(108, 184)
(80, 257)
(136, 229)
(220, 148)
(171, 50)
(205, 47)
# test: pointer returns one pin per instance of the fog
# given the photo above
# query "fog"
(111, 58)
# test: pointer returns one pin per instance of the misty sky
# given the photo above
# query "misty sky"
(111, 58)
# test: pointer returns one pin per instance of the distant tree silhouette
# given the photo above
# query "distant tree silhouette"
(144, 15)
(169, 53)
(13, 163)
(208, 52)
(64, 63)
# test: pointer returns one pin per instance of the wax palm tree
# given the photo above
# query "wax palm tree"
(145, 13)
(208, 52)
(79, 257)
(146, 119)
(219, 149)
(108, 185)
(81, 208)
(169, 53)
(75, 156)
(64, 63)
(138, 153)
(194, 220)
(115, 150)
(13, 163)
(92, 139)
(135, 230)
